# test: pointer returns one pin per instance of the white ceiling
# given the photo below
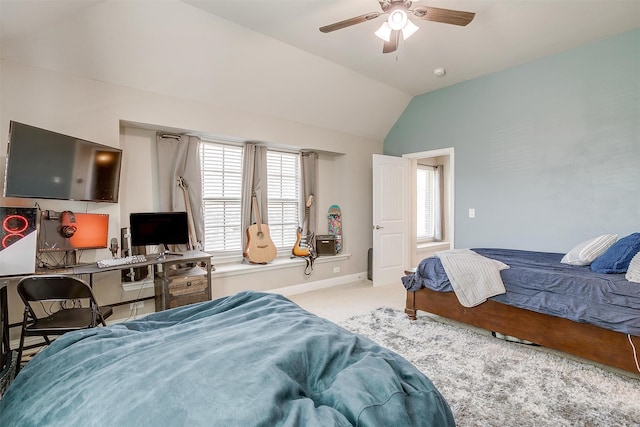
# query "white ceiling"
(504, 33)
(267, 57)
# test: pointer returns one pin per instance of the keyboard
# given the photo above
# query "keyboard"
(113, 262)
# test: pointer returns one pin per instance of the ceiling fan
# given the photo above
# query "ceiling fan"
(398, 22)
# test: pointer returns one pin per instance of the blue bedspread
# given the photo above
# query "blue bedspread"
(538, 281)
(252, 359)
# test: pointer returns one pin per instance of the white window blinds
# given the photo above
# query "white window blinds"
(283, 172)
(221, 195)
(425, 203)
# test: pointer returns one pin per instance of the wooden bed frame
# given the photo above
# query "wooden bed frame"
(579, 339)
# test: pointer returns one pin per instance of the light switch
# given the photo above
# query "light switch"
(472, 213)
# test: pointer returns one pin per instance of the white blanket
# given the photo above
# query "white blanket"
(474, 278)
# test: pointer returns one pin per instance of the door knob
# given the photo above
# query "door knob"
(377, 227)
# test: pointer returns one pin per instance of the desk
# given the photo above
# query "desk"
(160, 266)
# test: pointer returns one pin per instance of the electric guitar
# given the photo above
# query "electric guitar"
(260, 248)
(306, 249)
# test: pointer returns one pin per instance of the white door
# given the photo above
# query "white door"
(391, 220)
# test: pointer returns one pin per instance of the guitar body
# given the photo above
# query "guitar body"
(298, 250)
(305, 249)
(260, 248)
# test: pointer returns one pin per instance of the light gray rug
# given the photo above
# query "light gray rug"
(491, 382)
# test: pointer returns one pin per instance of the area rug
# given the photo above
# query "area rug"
(492, 382)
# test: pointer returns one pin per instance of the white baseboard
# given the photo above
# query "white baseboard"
(320, 284)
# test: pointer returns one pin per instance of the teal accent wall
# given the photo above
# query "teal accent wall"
(548, 152)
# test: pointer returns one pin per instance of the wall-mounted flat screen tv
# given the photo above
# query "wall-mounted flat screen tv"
(43, 164)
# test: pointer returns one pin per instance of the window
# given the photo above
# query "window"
(283, 173)
(426, 202)
(222, 197)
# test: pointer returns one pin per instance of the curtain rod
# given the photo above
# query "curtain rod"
(169, 135)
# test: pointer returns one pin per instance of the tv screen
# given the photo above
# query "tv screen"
(159, 228)
(92, 232)
(47, 165)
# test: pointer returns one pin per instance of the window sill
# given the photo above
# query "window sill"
(434, 245)
(238, 268)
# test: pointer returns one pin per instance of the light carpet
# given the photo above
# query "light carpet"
(491, 382)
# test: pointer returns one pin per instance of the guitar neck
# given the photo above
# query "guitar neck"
(257, 213)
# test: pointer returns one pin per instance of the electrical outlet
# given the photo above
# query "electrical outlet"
(336, 269)
(136, 305)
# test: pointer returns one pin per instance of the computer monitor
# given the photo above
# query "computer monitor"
(159, 228)
(91, 232)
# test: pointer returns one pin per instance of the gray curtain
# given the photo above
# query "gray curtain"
(308, 172)
(438, 177)
(254, 178)
(178, 159)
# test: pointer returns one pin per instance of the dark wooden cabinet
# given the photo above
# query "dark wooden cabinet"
(183, 280)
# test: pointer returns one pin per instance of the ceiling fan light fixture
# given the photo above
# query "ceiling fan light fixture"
(384, 32)
(398, 19)
(409, 29)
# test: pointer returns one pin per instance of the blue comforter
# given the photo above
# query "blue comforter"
(538, 281)
(252, 359)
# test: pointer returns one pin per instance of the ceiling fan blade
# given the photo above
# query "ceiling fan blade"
(349, 22)
(446, 16)
(392, 44)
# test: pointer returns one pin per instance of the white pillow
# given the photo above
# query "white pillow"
(586, 252)
(633, 272)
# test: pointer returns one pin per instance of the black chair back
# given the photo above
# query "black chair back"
(67, 312)
(53, 287)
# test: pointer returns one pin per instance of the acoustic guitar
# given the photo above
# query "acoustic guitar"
(260, 248)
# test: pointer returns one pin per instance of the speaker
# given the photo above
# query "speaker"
(326, 244)
(18, 240)
(68, 227)
(131, 274)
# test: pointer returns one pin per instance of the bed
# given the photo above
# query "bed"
(565, 307)
(251, 359)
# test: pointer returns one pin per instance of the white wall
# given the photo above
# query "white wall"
(171, 48)
(99, 77)
(344, 179)
(94, 111)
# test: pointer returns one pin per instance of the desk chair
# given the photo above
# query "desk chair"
(55, 304)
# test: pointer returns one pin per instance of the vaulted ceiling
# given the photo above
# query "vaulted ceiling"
(502, 34)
